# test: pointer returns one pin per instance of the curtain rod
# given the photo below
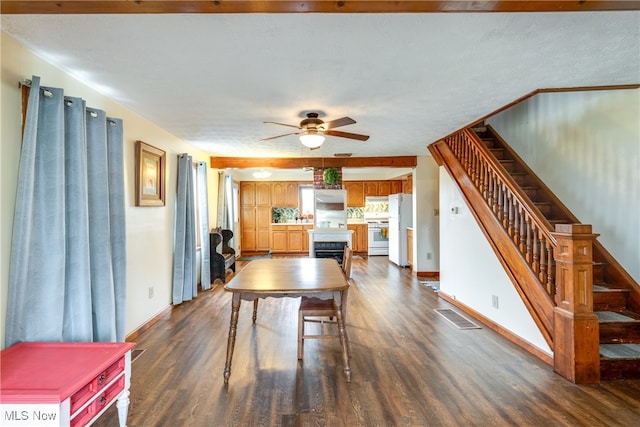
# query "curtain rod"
(27, 83)
(68, 103)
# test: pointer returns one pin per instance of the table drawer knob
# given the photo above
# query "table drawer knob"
(103, 400)
(101, 379)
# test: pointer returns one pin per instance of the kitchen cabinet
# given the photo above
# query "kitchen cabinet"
(263, 194)
(263, 228)
(279, 238)
(360, 237)
(255, 220)
(291, 238)
(396, 186)
(291, 195)
(407, 184)
(278, 194)
(355, 193)
(294, 238)
(248, 228)
(284, 194)
(384, 188)
(248, 193)
(370, 188)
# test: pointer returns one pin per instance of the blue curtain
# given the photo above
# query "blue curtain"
(185, 280)
(203, 210)
(67, 274)
(223, 201)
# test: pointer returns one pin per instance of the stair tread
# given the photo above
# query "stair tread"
(600, 288)
(620, 351)
(613, 316)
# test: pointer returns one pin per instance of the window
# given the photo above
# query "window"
(306, 200)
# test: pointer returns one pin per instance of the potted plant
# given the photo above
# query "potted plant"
(330, 177)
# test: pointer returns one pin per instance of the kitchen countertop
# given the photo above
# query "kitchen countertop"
(349, 221)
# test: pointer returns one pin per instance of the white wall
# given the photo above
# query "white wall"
(149, 229)
(471, 273)
(585, 146)
(426, 231)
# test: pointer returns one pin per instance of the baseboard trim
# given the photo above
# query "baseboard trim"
(537, 352)
(429, 274)
(148, 324)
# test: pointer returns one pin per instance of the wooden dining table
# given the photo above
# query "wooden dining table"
(287, 278)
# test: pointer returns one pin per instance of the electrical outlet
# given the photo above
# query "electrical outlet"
(428, 255)
(150, 292)
(494, 301)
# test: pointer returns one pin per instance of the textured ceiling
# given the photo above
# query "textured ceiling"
(407, 79)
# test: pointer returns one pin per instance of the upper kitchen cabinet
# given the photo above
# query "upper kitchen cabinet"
(263, 194)
(371, 188)
(284, 194)
(396, 186)
(355, 193)
(407, 184)
(384, 188)
(248, 193)
(291, 195)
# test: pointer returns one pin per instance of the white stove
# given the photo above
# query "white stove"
(378, 227)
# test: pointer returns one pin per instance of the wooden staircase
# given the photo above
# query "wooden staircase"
(529, 213)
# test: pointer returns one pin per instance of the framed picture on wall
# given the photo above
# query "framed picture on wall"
(150, 175)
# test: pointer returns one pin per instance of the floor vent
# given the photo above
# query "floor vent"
(456, 319)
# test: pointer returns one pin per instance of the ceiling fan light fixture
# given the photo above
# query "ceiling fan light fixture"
(312, 139)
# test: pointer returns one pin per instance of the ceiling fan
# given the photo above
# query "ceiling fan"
(313, 130)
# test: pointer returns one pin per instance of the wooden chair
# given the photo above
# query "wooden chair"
(313, 309)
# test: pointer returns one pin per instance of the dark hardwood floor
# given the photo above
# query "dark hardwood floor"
(410, 367)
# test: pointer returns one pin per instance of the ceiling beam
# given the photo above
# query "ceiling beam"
(306, 6)
(315, 162)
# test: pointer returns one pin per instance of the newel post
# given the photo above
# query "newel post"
(576, 332)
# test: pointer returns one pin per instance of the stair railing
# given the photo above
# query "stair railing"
(521, 219)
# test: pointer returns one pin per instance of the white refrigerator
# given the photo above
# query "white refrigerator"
(400, 217)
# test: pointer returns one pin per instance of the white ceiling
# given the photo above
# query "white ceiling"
(407, 79)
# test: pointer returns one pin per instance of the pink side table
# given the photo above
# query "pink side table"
(63, 384)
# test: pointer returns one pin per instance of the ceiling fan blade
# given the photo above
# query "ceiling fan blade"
(284, 124)
(279, 136)
(337, 123)
(346, 135)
